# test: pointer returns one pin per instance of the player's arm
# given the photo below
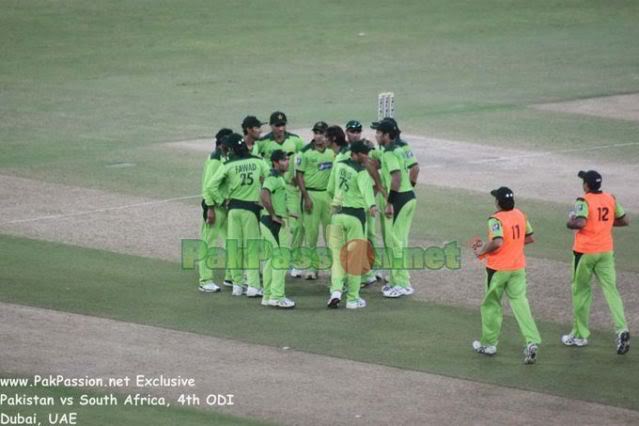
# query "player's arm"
(372, 168)
(413, 173)
(578, 219)
(330, 188)
(496, 238)
(212, 194)
(621, 218)
(529, 239)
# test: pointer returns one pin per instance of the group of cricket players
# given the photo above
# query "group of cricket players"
(269, 198)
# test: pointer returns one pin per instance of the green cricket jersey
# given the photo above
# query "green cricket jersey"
(343, 154)
(242, 176)
(316, 167)
(291, 145)
(277, 187)
(394, 159)
(211, 165)
(351, 186)
(411, 160)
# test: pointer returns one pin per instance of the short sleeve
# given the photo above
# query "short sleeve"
(581, 208)
(391, 162)
(529, 228)
(411, 160)
(270, 183)
(495, 230)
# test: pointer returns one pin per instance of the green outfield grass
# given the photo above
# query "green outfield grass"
(120, 414)
(401, 333)
(87, 84)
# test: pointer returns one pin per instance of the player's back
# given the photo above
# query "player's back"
(596, 236)
(510, 256)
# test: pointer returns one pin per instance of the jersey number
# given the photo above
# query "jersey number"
(343, 183)
(247, 179)
(603, 214)
(516, 232)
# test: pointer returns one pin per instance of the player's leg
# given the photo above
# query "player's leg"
(356, 257)
(208, 234)
(491, 309)
(293, 206)
(401, 227)
(369, 277)
(234, 246)
(251, 243)
(606, 274)
(281, 261)
(583, 266)
(311, 223)
(337, 240)
(267, 274)
(224, 225)
(516, 292)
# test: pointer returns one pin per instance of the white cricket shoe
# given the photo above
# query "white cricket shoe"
(295, 273)
(408, 290)
(530, 353)
(369, 281)
(284, 303)
(254, 292)
(356, 304)
(570, 340)
(484, 349)
(334, 300)
(209, 287)
(238, 290)
(311, 275)
(378, 275)
(386, 287)
(623, 342)
(227, 283)
(393, 292)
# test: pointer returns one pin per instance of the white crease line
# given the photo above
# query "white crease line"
(520, 156)
(108, 209)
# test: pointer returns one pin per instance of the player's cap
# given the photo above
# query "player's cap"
(277, 118)
(233, 140)
(278, 155)
(386, 125)
(251, 121)
(221, 134)
(354, 125)
(360, 147)
(320, 127)
(503, 194)
(592, 178)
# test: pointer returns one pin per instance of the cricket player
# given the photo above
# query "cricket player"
(353, 134)
(280, 138)
(209, 232)
(313, 168)
(508, 232)
(252, 129)
(336, 140)
(243, 174)
(399, 211)
(275, 234)
(351, 189)
(594, 216)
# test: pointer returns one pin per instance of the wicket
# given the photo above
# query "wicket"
(385, 105)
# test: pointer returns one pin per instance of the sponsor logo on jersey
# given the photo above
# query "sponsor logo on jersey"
(325, 166)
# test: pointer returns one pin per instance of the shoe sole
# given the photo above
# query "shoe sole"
(203, 290)
(284, 307)
(227, 285)
(332, 304)
(624, 344)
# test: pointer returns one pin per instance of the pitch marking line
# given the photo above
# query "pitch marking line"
(107, 209)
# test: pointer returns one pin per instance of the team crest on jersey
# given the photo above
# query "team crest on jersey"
(325, 166)
(496, 227)
(409, 154)
(298, 160)
(581, 207)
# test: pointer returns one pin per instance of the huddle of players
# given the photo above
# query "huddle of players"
(284, 191)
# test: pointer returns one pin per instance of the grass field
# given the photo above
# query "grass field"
(91, 92)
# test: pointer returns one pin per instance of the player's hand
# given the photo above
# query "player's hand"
(389, 212)
(210, 216)
(277, 219)
(477, 247)
(308, 204)
(373, 211)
